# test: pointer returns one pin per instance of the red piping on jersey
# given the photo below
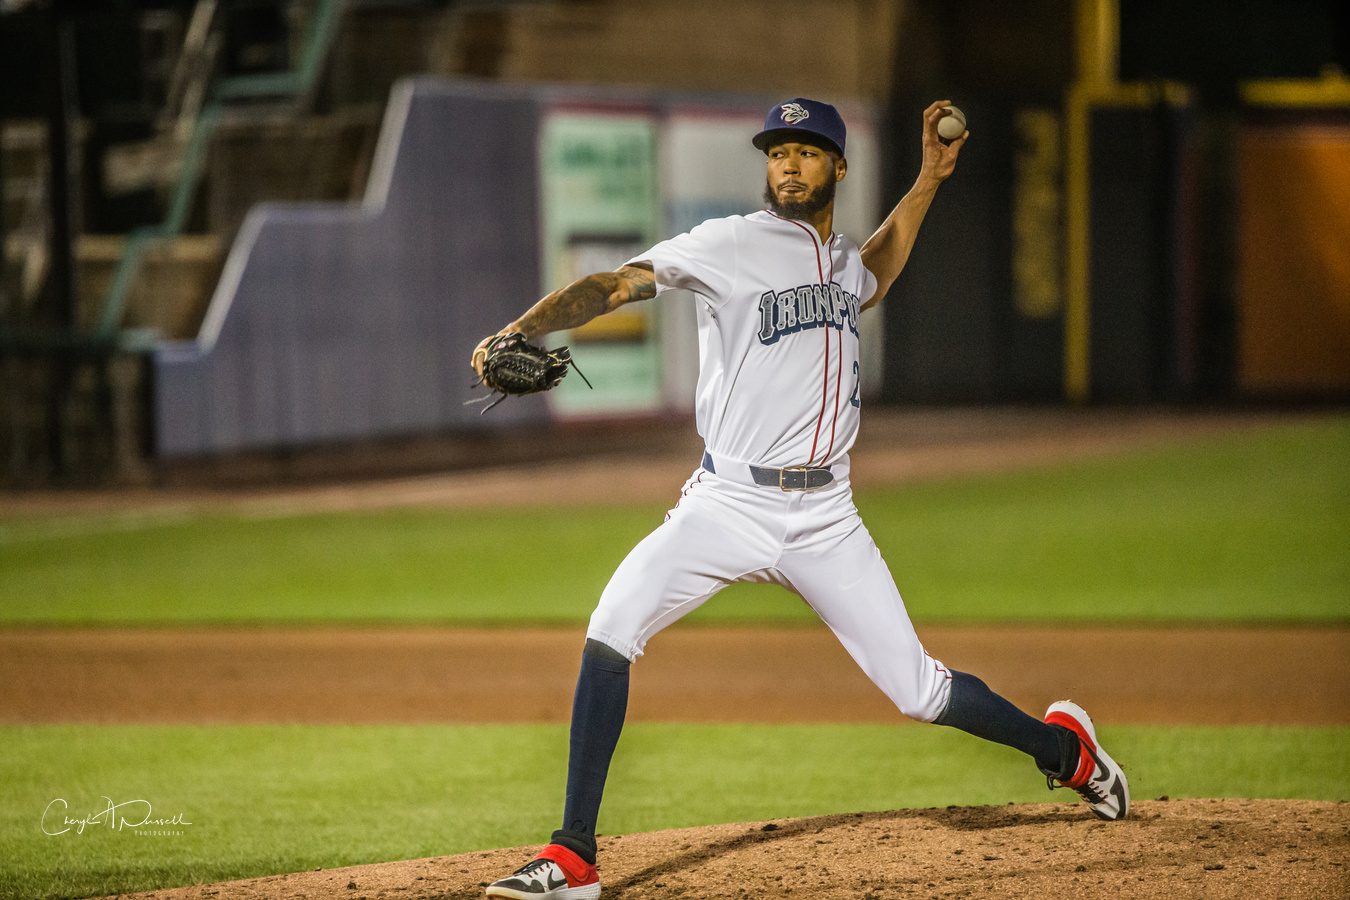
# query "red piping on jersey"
(824, 393)
(820, 270)
(839, 374)
(825, 382)
(825, 385)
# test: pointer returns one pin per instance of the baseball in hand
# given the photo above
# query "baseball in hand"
(952, 126)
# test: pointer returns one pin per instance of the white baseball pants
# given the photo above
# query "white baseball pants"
(725, 528)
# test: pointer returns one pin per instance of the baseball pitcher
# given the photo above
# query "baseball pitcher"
(778, 295)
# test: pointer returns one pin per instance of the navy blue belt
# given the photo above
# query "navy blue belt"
(793, 478)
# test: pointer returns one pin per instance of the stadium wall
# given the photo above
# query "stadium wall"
(342, 323)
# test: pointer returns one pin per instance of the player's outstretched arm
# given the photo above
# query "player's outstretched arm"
(887, 251)
(578, 303)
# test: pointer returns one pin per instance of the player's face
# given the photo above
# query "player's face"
(801, 180)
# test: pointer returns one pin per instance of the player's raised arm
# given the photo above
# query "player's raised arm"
(886, 251)
(578, 303)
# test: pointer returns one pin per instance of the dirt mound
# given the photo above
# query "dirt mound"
(1178, 849)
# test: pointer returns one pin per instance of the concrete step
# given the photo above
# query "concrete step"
(170, 293)
(317, 158)
(173, 287)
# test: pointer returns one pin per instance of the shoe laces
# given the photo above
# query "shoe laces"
(1087, 791)
(532, 867)
(1090, 793)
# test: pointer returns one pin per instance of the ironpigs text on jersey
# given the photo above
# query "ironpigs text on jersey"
(807, 306)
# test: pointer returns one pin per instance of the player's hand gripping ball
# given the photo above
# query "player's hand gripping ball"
(951, 127)
(512, 365)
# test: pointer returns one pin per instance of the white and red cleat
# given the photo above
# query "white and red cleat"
(555, 874)
(1098, 779)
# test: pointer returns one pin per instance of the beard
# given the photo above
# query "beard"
(804, 209)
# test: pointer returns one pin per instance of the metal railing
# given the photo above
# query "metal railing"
(186, 93)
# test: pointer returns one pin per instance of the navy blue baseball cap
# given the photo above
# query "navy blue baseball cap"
(812, 121)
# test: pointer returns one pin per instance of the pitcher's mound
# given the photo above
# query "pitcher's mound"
(1166, 849)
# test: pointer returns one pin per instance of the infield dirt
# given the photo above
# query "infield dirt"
(1130, 675)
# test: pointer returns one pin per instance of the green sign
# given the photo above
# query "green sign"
(600, 208)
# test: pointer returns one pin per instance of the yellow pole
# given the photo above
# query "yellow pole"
(1097, 35)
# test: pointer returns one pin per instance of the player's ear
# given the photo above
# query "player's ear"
(840, 168)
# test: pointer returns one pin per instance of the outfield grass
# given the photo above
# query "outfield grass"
(271, 799)
(1253, 527)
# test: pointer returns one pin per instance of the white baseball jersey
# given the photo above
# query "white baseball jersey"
(778, 386)
(778, 336)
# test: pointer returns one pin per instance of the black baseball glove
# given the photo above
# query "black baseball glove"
(512, 365)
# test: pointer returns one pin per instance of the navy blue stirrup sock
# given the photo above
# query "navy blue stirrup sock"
(976, 710)
(597, 719)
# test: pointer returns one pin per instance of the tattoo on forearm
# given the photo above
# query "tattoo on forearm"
(574, 305)
(638, 283)
(587, 298)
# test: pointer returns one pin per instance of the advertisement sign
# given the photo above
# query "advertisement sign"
(600, 207)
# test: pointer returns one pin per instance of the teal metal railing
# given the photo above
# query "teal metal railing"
(280, 85)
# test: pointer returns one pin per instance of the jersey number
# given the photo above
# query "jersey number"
(854, 399)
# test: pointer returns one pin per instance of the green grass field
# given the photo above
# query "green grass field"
(270, 799)
(1241, 528)
(1253, 527)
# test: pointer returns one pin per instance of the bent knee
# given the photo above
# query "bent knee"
(926, 710)
(615, 634)
(604, 653)
(926, 700)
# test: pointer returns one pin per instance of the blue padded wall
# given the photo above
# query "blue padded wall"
(345, 322)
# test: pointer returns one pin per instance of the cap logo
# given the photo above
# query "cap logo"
(794, 113)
